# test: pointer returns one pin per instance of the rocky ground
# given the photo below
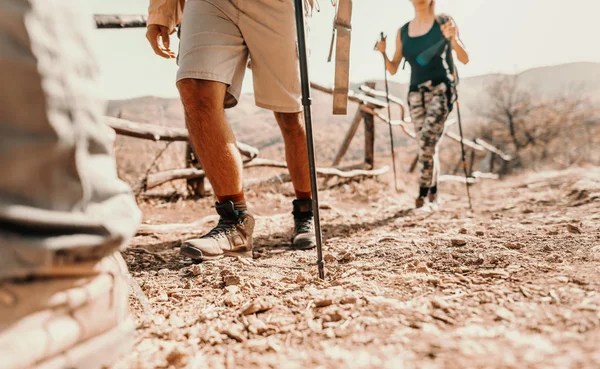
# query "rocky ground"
(513, 283)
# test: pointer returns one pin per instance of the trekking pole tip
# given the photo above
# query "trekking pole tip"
(321, 267)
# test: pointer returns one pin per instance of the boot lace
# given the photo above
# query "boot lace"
(222, 229)
(303, 225)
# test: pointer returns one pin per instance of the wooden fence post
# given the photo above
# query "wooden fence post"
(369, 135)
(349, 136)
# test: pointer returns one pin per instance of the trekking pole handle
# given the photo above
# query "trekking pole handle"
(381, 37)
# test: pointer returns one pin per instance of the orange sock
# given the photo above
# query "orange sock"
(237, 199)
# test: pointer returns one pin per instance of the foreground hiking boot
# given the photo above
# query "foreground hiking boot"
(74, 317)
(231, 236)
(419, 202)
(304, 233)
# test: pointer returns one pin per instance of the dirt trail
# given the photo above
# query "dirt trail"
(514, 284)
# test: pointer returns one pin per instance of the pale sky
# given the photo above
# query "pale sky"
(501, 36)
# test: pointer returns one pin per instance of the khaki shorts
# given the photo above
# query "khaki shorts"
(218, 36)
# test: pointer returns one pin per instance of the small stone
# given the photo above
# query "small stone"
(479, 233)
(439, 304)
(503, 313)
(302, 277)
(463, 231)
(527, 211)
(273, 343)
(232, 289)
(259, 305)
(554, 258)
(494, 273)
(162, 296)
(348, 299)
(580, 281)
(196, 269)
(514, 246)
(333, 316)
(323, 302)
(596, 253)
(553, 233)
(554, 297)
(562, 279)
(232, 280)
(232, 299)
(573, 229)
(458, 242)
(163, 271)
(346, 257)
(421, 267)
(329, 258)
(176, 321)
(236, 333)
(329, 332)
(177, 359)
(439, 315)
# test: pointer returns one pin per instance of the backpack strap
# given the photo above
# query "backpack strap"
(404, 31)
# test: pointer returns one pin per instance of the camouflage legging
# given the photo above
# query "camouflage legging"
(429, 110)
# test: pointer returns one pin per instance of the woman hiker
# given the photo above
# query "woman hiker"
(422, 43)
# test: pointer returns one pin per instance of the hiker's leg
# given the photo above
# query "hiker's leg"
(211, 136)
(294, 136)
(296, 155)
(63, 211)
(269, 28)
(212, 61)
(418, 112)
(433, 128)
(60, 199)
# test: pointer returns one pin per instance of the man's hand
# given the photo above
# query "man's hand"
(153, 33)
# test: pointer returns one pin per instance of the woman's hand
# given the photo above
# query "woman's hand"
(449, 29)
(381, 45)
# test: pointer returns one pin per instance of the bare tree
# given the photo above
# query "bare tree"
(509, 105)
(541, 128)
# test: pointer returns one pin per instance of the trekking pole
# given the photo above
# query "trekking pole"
(387, 97)
(462, 149)
(462, 145)
(306, 102)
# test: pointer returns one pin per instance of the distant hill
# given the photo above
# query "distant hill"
(581, 77)
(257, 126)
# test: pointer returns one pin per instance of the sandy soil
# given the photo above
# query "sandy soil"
(512, 284)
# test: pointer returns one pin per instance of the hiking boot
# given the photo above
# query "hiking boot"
(75, 317)
(419, 202)
(433, 202)
(304, 231)
(231, 236)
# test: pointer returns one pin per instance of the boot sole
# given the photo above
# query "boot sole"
(302, 247)
(196, 255)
